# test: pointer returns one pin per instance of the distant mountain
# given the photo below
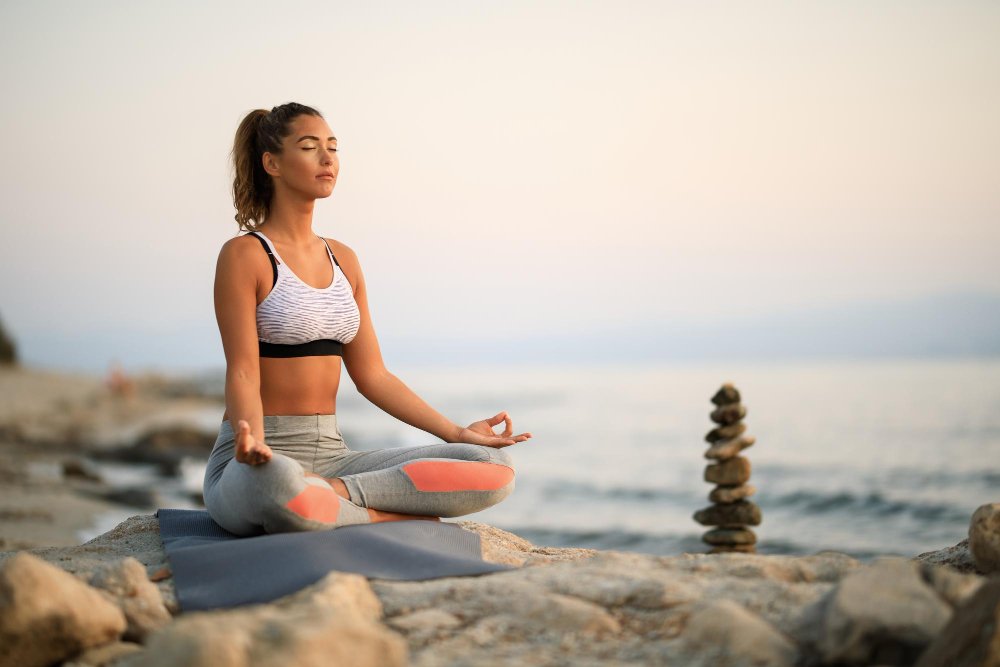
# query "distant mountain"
(965, 324)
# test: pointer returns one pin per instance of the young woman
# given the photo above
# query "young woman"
(290, 305)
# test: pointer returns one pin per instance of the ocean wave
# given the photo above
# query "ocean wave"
(872, 503)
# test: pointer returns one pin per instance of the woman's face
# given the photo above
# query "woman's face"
(308, 163)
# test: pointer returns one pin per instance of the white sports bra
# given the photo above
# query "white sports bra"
(298, 320)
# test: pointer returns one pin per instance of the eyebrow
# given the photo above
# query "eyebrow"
(309, 136)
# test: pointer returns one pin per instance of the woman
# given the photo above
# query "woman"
(285, 326)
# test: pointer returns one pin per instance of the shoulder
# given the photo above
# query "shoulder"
(342, 251)
(348, 260)
(240, 252)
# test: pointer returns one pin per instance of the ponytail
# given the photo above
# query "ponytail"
(259, 132)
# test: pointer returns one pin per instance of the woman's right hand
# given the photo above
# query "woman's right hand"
(248, 449)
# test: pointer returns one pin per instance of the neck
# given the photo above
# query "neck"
(290, 220)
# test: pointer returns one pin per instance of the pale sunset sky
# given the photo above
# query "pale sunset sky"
(507, 168)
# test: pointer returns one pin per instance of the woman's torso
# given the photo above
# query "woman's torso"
(301, 385)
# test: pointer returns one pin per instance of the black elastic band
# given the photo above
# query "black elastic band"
(331, 253)
(274, 264)
(314, 348)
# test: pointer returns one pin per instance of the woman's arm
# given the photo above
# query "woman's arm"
(363, 360)
(235, 311)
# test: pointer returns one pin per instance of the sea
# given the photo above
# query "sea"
(865, 457)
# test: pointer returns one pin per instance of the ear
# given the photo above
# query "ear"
(270, 164)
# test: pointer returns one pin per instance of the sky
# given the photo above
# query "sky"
(508, 169)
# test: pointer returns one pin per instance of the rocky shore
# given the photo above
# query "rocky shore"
(111, 600)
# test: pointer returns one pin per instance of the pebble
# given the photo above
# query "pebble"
(730, 494)
(726, 536)
(739, 513)
(728, 414)
(727, 449)
(729, 472)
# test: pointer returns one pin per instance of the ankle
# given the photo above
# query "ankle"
(339, 486)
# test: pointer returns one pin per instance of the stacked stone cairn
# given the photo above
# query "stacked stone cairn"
(731, 513)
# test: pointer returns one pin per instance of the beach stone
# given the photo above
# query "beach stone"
(727, 394)
(8, 348)
(953, 586)
(728, 414)
(77, 467)
(733, 548)
(138, 597)
(99, 656)
(165, 446)
(48, 615)
(972, 636)
(739, 513)
(729, 472)
(725, 432)
(730, 494)
(728, 536)
(881, 614)
(957, 557)
(727, 449)
(984, 538)
(329, 623)
(727, 634)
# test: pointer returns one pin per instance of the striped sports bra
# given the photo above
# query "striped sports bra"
(298, 320)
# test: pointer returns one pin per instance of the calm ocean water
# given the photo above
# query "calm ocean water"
(864, 457)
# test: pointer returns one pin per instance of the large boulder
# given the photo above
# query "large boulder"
(984, 538)
(48, 615)
(882, 614)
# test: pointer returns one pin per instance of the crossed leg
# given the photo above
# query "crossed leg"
(446, 479)
(441, 480)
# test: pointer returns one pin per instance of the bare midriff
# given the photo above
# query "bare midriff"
(299, 385)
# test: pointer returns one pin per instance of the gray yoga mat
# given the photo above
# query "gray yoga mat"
(213, 569)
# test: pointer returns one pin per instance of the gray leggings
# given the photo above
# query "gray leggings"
(444, 479)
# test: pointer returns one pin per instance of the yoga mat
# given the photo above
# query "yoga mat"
(213, 569)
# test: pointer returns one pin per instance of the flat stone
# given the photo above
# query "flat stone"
(972, 636)
(730, 494)
(727, 394)
(729, 536)
(881, 614)
(733, 548)
(739, 513)
(953, 586)
(729, 472)
(725, 432)
(984, 537)
(727, 449)
(728, 414)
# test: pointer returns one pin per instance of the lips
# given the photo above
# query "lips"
(326, 175)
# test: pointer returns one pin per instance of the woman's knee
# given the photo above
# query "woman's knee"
(500, 456)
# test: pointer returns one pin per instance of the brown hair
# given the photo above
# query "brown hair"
(260, 131)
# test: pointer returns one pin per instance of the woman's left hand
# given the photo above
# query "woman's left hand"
(481, 432)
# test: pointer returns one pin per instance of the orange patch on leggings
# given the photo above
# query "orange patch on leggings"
(458, 475)
(316, 503)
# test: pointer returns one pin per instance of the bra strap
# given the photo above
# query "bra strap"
(331, 253)
(267, 249)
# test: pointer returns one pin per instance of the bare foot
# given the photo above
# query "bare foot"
(379, 516)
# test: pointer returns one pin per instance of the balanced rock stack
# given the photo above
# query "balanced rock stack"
(730, 512)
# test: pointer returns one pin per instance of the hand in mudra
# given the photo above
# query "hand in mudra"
(481, 432)
(249, 450)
